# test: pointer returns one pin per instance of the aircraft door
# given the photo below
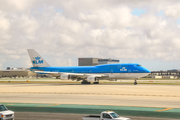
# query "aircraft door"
(119, 66)
(111, 71)
(129, 71)
(111, 75)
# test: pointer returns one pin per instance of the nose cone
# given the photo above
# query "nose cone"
(146, 70)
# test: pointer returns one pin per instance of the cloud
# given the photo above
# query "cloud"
(173, 11)
(64, 31)
(4, 23)
(16, 6)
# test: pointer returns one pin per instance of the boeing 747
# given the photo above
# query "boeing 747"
(88, 74)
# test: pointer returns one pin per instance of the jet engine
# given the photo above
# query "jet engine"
(65, 77)
(91, 79)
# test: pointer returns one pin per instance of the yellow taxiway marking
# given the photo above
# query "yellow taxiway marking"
(164, 109)
(49, 105)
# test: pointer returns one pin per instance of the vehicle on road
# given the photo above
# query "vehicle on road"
(6, 114)
(106, 115)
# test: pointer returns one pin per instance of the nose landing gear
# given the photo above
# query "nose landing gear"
(135, 82)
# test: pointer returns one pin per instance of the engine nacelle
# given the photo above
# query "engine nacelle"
(65, 77)
(91, 78)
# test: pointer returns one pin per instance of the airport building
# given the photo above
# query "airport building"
(95, 61)
(169, 74)
(107, 61)
(16, 72)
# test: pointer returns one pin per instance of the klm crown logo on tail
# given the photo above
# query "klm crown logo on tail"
(37, 61)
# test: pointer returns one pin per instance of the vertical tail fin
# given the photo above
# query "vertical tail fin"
(36, 59)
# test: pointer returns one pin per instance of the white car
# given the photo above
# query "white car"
(6, 114)
(106, 115)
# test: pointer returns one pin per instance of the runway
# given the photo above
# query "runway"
(164, 97)
(121, 95)
(52, 80)
(142, 101)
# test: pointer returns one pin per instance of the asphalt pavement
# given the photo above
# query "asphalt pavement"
(149, 102)
(67, 116)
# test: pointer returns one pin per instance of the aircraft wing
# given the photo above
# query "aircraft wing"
(55, 74)
(58, 73)
(43, 72)
(77, 75)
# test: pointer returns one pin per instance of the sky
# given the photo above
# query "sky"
(133, 31)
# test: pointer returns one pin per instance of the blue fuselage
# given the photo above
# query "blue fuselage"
(106, 68)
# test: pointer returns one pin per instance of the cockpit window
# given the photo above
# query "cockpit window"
(138, 65)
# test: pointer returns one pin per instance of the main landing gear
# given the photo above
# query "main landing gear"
(85, 82)
(135, 82)
(95, 82)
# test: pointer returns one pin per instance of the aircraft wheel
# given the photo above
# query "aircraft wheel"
(95, 82)
(135, 83)
(85, 82)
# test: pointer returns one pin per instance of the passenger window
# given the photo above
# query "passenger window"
(105, 115)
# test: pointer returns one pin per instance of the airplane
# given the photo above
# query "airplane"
(88, 74)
